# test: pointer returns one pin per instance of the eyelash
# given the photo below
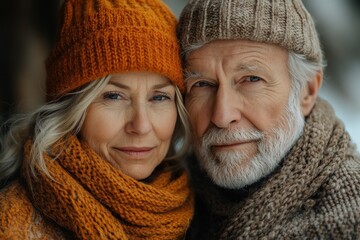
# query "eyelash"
(163, 96)
(207, 84)
(202, 84)
(119, 96)
(252, 76)
(108, 95)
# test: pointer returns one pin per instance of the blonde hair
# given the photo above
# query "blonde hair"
(54, 120)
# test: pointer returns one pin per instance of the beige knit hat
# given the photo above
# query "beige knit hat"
(100, 37)
(282, 22)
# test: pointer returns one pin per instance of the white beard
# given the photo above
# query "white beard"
(234, 169)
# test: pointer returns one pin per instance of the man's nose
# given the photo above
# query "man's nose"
(227, 107)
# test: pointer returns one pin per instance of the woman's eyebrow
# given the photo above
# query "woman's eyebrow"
(119, 85)
(156, 86)
(162, 85)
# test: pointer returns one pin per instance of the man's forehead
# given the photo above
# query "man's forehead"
(232, 49)
(237, 55)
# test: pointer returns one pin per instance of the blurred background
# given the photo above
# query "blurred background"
(28, 30)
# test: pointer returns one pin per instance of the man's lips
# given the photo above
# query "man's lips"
(232, 145)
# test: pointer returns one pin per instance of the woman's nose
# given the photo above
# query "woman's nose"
(139, 120)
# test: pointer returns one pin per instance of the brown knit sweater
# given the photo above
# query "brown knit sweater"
(87, 198)
(313, 194)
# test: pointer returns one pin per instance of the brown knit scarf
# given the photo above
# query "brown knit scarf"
(93, 200)
(267, 209)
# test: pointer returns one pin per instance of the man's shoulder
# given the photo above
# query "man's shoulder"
(338, 200)
(345, 181)
(333, 211)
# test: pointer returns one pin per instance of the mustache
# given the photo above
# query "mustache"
(218, 136)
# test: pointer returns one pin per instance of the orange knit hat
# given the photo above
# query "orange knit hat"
(100, 37)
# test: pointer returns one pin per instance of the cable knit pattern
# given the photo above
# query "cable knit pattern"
(286, 23)
(314, 194)
(93, 200)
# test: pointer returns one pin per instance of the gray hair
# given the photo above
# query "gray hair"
(302, 70)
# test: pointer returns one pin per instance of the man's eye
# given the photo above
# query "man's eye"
(112, 96)
(202, 84)
(253, 78)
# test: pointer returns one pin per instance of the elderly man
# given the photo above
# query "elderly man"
(272, 159)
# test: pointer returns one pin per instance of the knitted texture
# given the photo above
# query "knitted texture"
(313, 194)
(92, 200)
(20, 220)
(100, 37)
(283, 22)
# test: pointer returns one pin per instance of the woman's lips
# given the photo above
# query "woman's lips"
(138, 152)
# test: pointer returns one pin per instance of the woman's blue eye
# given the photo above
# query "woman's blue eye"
(160, 97)
(112, 96)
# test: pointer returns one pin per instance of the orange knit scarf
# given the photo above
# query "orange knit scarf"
(93, 200)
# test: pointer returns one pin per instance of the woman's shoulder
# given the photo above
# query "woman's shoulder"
(16, 210)
(14, 200)
(20, 220)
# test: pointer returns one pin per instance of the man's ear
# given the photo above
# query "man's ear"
(310, 92)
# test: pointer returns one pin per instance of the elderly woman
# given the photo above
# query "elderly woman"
(102, 158)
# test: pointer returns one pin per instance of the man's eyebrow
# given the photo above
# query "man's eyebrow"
(247, 67)
(252, 67)
(189, 74)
